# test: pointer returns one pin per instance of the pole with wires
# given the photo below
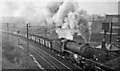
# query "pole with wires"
(111, 32)
(7, 30)
(27, 40)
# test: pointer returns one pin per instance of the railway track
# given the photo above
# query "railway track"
(50, 60)
(53, 61)
(51, 65)
(41, 58)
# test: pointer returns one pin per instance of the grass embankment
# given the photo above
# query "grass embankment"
(13, 57)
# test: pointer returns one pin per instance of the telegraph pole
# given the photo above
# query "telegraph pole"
(45, 29)
(18, 37)
(27, 40)
(111, 32)
(8, 30)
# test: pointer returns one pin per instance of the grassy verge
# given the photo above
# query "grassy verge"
(13, 57)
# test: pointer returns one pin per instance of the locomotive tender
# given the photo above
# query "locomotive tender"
(81, 54)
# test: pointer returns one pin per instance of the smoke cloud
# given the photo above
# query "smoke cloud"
(72, 20)
(64, 9)
(66, 15)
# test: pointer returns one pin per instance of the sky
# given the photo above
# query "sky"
(100, 7)
(35, 8)
(14, 7)
(58, 0)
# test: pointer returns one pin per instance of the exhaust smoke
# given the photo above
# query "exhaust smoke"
(66, 17)
(72, 20)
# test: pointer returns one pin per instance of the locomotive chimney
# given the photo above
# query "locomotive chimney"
(87, 44)
(103, 44)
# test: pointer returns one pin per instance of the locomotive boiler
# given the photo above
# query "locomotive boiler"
(80, 49)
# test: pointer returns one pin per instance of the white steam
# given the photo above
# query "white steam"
(64, 9)
(72, 20)
(65, 14)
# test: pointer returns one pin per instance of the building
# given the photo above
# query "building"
(114, 20)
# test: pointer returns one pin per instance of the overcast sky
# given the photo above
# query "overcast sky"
(10, 7)
(58, 0)
(100, 7)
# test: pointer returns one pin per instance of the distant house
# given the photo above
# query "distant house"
(114, 19)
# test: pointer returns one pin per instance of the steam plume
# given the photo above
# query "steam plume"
(72, 20)
(65, 14)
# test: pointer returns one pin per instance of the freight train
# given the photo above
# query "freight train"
(81, 54)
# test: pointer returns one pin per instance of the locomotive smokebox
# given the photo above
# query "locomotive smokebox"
(103, 44)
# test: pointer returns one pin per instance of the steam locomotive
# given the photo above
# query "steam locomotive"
(81, 54)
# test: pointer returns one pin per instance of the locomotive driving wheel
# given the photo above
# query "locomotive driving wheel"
(72, 59)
